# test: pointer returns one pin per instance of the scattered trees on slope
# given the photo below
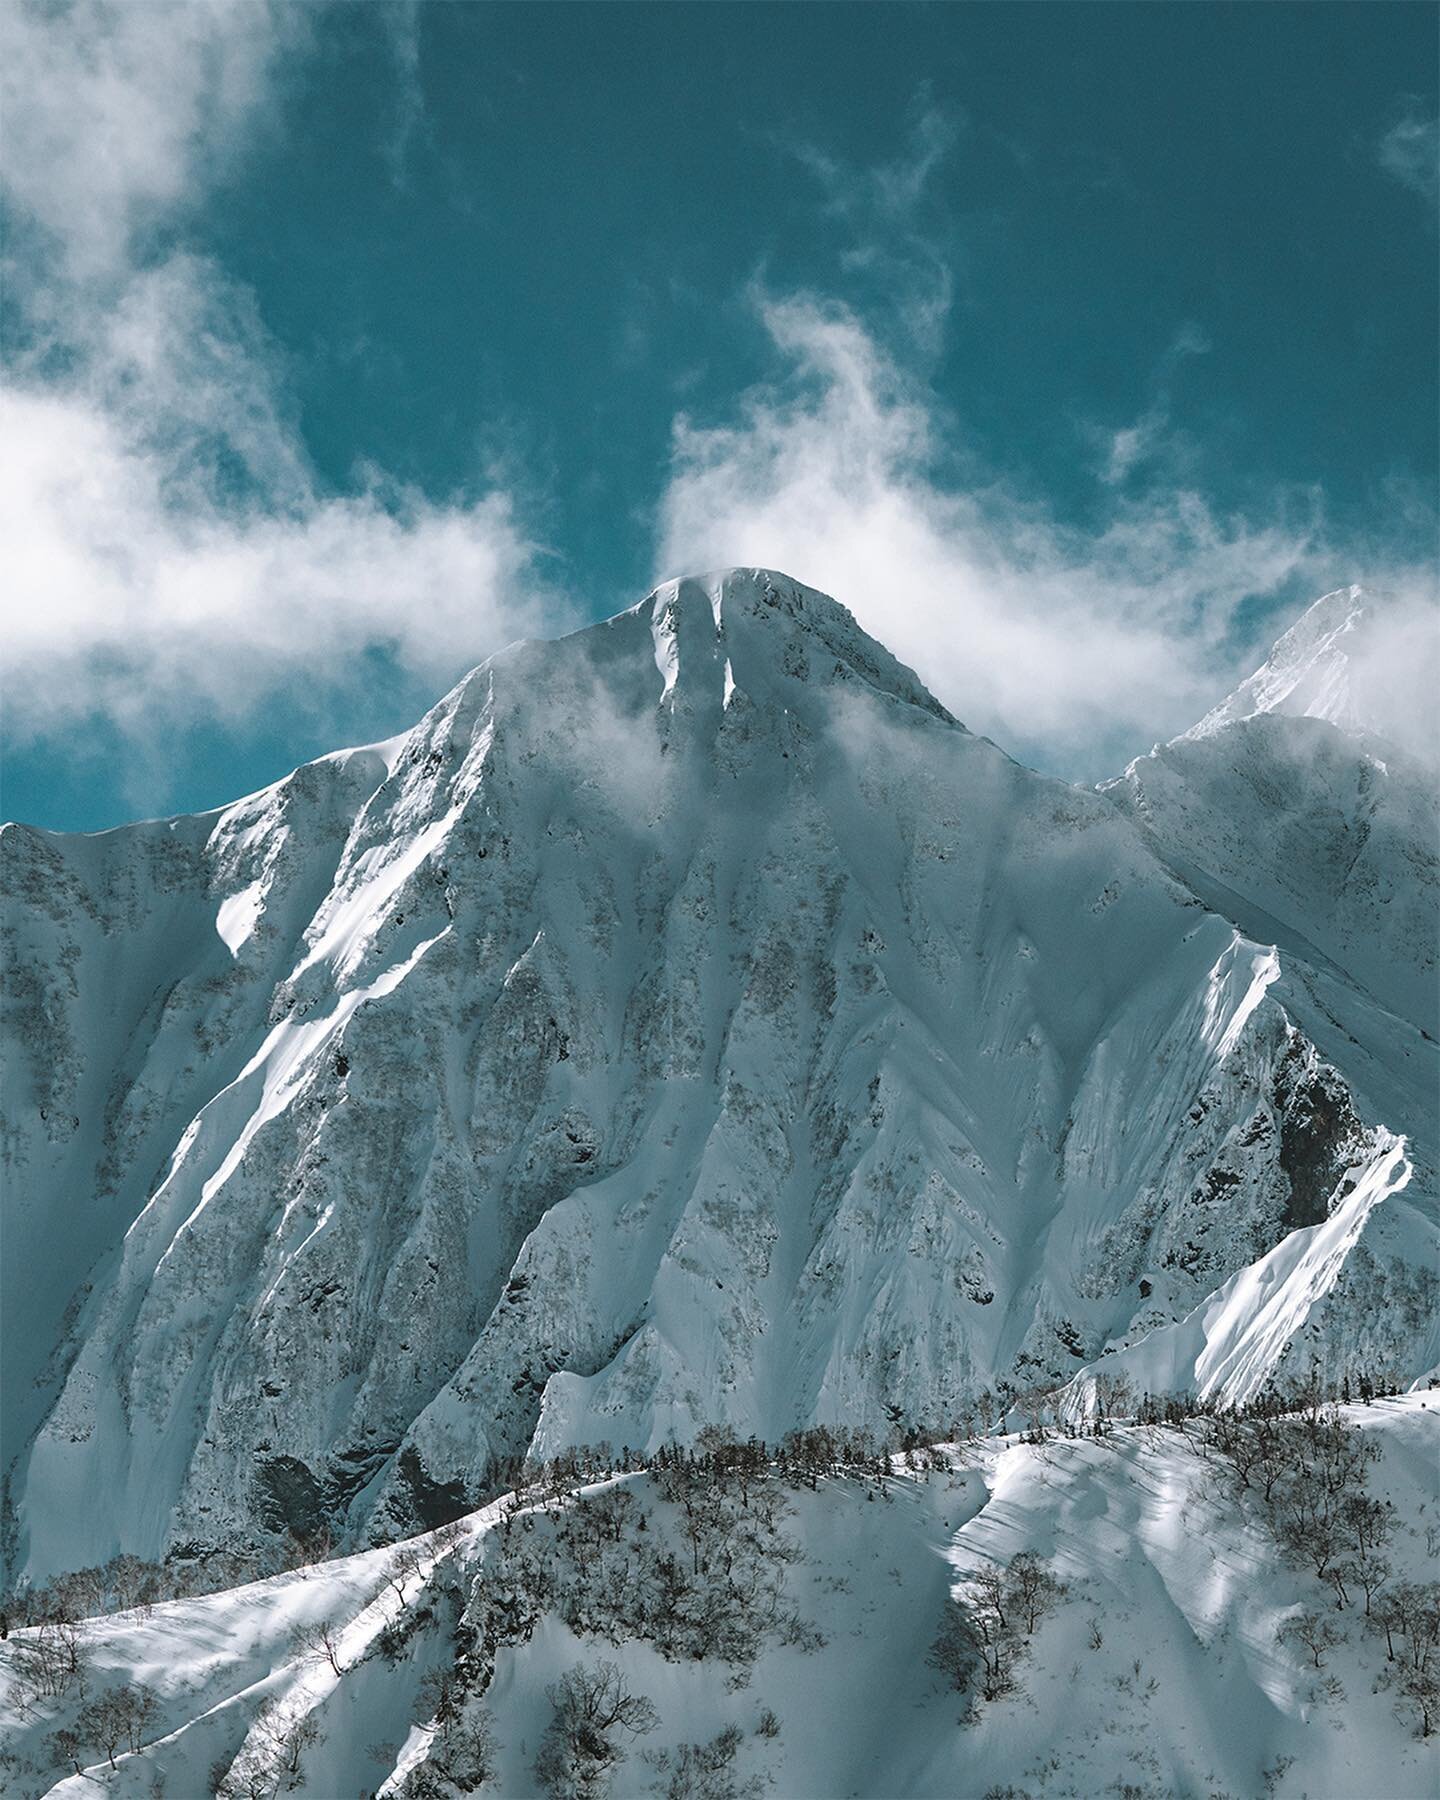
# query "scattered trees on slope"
(701, 1573)
(705, 1771)
(983, 1636)
(1407, 1615)
(271, 1758)
(1307, 1467)
(49, 1661)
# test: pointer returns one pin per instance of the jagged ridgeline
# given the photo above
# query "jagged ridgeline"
(691, 1022)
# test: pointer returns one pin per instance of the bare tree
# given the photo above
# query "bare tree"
(1419, 1691)
(116, 1716)
(140, 1707)
(1317, 1633)
(442, 1696)
(468, 1749)
(954, 1652)
(992, 1633)
(579, 1750)
(271, 1757)
(406, 1562)
(103, 1720)
(318, 1641)
(705, 1771)
(1114, 1396)
(1034, 1590)
(65, 1747)
(48, 1659)
(1408, 1613)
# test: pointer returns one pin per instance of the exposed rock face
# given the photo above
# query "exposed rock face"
(688, 1020)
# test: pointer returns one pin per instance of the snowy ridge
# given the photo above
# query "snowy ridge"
(688, 1021)
(1363, 662)
(1160, 1668)
(1227, 1350)
(1306, 673)
(1345, 873)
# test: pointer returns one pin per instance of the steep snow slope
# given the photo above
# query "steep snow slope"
(1310, 838)
(688, 1020)
(140, 965)
(1158, 1673)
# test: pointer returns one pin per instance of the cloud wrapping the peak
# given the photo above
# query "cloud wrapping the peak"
(1073, 648)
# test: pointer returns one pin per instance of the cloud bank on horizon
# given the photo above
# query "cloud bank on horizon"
(174, 555)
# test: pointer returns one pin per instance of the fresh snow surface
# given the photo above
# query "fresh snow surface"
(689, 1020)
(1158, 1674)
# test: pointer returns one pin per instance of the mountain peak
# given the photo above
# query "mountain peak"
(761, 632)
(1310, 669)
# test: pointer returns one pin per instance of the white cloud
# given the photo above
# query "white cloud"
(896, 239)
(399, 22)
(1394, 672)
(1410, 151)
(154, 614)
(1071, 648)
(118, 115)
(172, 554)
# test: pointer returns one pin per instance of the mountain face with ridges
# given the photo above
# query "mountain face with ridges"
(1345, 870)
(689, 1020)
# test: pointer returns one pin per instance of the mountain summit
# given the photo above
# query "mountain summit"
(1307, 673)
(759, 631)
(688, 1021)
(1361, 661)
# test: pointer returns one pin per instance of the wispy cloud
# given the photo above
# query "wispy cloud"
(1133, 446)
(118, 117)
(1076, 648)
(895, 234)
(173, 554)
(1410, 151)
(891, 190)
(399, 21)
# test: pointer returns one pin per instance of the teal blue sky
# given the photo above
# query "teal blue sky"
(1084, 343)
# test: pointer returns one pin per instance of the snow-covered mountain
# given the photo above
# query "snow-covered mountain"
(691, 1021)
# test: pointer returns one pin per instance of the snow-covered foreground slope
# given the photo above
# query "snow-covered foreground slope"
(687, 1021)
(1160, 1670)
